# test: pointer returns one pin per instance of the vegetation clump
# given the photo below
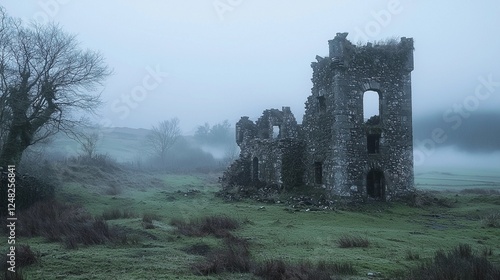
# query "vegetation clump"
(66, 223)
(352, 241)
(218, 225)
(459, 263)
(492, 220)
(279, 269)
(233, 257)
(147, 220)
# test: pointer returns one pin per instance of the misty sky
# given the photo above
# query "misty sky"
(211, 60)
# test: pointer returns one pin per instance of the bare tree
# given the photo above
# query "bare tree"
(163, 137)
(44, 78)
(88, 144)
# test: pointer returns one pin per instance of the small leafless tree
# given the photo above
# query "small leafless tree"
(88, 144)
(162, 137)
(44, 78)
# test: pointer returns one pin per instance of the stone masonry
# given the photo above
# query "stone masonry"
(335, 147)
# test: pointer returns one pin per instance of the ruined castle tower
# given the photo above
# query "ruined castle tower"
(335, 147)
(346, 153)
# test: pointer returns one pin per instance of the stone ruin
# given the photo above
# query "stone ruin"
(335, 148)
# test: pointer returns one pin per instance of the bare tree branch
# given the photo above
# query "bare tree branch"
(44, 77)
(163, 137)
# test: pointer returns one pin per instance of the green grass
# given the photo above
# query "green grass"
(392, 229)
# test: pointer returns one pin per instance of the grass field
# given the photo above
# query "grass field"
(399, 236)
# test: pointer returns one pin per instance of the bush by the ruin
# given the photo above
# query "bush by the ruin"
(422, 199)
(459, 263)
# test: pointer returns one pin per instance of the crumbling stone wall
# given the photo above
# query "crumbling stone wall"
(334, 147)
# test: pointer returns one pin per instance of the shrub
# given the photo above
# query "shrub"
(233, 257)
(115, 213)
(343, 268)
(486, 252)
(201, 249)
(112, 214)
(459, 263)
(412, 256)
(492, 220)
(147, 220)
(61, 222)
(24, 256)
(218, 226)
(29, 190)
(103, 162)
(279, 269)
(113, 189)
(18, 275)
(348, 241)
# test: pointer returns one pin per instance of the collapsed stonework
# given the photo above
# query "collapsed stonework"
(335, 147)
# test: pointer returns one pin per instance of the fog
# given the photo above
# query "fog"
(207, 61)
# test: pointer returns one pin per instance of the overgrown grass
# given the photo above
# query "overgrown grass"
(24, 256)
(115, 213)
(351, 241)
(17, 275)
(147, 220)
(459, 263)
(272, 233)
(412, 256)
(217, 225)
(280, 269)
(480, 191)
(234, 256)
(492, 220)
(70, 224)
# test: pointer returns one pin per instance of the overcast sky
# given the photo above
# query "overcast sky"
(211, 60)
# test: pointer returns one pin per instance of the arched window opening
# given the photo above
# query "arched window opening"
(371, 107)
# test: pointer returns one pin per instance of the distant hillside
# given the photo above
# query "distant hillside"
(121, 143)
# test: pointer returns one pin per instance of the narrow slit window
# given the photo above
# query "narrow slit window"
(318, 173)
(321, 104)
(255, 169)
